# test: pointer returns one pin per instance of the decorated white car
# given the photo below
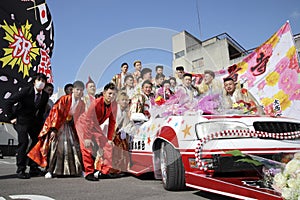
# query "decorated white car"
(234, 152)
(196, 150)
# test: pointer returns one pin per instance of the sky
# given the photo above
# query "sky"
(94, 37)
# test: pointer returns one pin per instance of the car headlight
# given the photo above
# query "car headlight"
(206, 128)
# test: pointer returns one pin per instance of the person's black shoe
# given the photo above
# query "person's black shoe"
(122, 174)
(23, 175)
(1, 154)
(117, 175)
(91, 177)
(107, 176)
(36, 172)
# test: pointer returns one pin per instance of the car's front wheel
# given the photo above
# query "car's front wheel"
(172, 170)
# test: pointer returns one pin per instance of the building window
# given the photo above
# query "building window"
(179, 54)
(198, 63)
(193, 48)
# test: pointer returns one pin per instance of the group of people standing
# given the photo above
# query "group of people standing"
(72, 136)
(68, 140)
(142, 89)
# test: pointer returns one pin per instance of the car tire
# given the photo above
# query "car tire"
(172, 170)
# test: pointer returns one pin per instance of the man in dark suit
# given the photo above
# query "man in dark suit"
(28, 120)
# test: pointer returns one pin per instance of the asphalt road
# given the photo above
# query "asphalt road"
(128, 187)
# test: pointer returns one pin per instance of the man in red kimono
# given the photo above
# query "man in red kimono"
(91, 91)
(91, 134)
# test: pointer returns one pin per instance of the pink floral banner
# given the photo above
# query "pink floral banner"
(272, 74)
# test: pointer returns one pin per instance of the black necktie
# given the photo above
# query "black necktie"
(37, 99)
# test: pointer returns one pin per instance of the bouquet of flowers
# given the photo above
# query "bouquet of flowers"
(159, 100)
(288, 181)
(269, 172)
(176, 104)
(209, 104)
(245, 107)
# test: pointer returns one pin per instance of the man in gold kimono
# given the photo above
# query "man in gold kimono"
(118, 79)
(140, 103)
(209, 85)
(235, 95)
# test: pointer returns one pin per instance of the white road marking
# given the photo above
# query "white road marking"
(30, 197)
(8, 163)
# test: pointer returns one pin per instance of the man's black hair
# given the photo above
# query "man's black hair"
(159, 67)
(98, 95)
(68, 85)
(39, 76)
(124, 64)
(180, 68)
(188, 74)
(147, 82)
(158, 76)
(228, 79)
(110, 86)
(145, 71)
(49, 85)
(165, 81)
(173, 78)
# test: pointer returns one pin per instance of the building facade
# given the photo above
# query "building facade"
(216, 53)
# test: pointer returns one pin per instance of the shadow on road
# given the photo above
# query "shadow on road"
(9, 176)
(146, 176)
(206, 195)
(212, 196)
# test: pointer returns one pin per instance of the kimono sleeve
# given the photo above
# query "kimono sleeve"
(111, 126)
(57, 116)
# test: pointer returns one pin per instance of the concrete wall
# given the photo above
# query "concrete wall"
(213, 52)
